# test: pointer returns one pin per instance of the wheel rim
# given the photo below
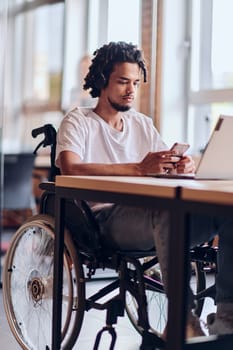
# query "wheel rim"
(198, 284)
(156, 304)
(157, 301)
(29, 280)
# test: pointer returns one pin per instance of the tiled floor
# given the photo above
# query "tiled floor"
(127, 337)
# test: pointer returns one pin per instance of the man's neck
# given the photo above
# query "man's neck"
(110, 116)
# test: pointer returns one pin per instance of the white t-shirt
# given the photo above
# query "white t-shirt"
(83, 132)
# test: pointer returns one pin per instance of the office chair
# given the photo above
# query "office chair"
(17, 183)
(18, 199)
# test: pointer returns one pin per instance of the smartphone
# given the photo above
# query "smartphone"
(180, 148)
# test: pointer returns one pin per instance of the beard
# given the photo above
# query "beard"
(118, 107)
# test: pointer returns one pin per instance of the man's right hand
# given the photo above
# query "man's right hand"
(158, 162)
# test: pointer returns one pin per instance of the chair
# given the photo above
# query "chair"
(28, 273)
(18, 182)
(18, 199)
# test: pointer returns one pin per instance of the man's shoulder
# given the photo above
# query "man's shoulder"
(81, 115)
(136, 116)
(80, 111)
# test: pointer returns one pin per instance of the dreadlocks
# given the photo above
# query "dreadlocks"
(103, 64)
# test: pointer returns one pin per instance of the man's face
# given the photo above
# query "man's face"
(122, 86)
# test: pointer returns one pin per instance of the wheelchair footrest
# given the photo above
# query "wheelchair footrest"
(151, 341)
(112, 333)
(114, 310)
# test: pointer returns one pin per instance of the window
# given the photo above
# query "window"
(100, 22)
(211, 68)
(51, 43)
(105, 21)
(34, 70)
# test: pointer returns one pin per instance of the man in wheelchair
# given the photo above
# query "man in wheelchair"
(114, 139)
(110, 139)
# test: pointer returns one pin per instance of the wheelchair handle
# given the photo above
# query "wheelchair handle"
(49, 136)
(38, 131)
(50, 139)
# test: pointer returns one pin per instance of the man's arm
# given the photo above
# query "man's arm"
(154, 162)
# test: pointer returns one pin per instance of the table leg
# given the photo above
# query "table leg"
(58, 272)
(177, 280)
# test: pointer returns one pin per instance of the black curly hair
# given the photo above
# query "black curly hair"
(103, 64)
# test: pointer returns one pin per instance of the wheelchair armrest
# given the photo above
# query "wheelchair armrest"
(47, 186)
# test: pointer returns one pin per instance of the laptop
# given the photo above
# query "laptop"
(216, 162)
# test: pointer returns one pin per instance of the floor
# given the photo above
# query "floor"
(127, 336)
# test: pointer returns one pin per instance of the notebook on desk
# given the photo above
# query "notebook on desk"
(216, 162)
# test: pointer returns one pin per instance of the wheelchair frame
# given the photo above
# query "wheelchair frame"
(137, 277)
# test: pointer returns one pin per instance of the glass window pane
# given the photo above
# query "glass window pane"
(195, 53)
(201, 121)
(46, 55)
(34, 74)
(222, 49)
(212, 53)
(124, 25)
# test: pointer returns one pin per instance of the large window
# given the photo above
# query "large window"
(34, 70)
(50, 47)
(105, 21)
(211, 67)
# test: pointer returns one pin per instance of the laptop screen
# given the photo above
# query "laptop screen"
(217, 159)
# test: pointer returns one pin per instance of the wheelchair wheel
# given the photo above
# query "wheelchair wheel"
(198, 284)
(157, 300)
(28, 286)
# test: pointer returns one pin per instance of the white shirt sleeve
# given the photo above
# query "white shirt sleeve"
(71, 135)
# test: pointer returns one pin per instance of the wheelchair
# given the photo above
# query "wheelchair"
(135, 287)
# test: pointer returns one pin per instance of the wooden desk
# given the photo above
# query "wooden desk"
(215, 191)
(134, 191)
(146, 186)
(144, 192)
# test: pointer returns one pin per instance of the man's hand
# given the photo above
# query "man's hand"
(158, 162)
(185, 165)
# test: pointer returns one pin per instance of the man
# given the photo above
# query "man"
(114, 139)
